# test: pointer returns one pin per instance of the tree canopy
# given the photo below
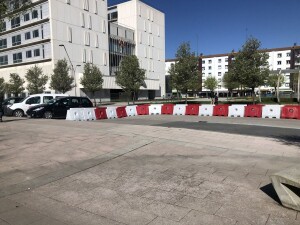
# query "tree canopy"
(229, 82)
(130, 77)
(2, 87)
(250, 66)
(36, 80)
(184, 73)
(15, 84)
(61, 81)
(211, 83)
(92, 79)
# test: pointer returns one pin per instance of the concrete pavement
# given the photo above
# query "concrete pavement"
(137, 171)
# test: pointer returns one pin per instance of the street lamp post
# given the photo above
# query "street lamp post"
(72, 67)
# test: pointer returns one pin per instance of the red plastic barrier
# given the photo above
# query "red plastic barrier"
(167, 109)
(101, 113)
(121, 111)
(253, 111)
(290, 112)
(142, 109)
(220, 110)
(192, 109)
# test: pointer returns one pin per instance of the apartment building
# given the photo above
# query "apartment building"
(82, 31)
(217, 65)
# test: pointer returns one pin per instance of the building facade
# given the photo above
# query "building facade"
(80, 31)
(217, 65)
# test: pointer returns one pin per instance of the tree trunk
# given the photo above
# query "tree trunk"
(133, 97)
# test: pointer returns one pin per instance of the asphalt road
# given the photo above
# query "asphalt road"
(277, 129)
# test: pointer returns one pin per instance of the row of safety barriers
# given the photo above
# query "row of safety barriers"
(259, 111)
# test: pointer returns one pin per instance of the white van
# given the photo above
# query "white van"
(19, 109)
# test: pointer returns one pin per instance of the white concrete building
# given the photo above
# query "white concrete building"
(217, 65)
(78, 30)
(34, 37)
(149, 26)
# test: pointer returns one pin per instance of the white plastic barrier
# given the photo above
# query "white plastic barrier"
(206, 110)
(271, 111)
(89, 114)
(111, 112)
(73, 114)
(155, 109)
(236, 111)
(131, 110)
(179, 109)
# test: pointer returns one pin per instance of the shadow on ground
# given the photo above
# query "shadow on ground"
(270, 191)
(289, 140)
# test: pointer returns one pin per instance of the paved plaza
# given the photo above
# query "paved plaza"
(147, 170)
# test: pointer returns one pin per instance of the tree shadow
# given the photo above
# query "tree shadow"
(270, 191)
(289, 139)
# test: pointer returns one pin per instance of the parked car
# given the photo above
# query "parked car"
(8, 102)
(19, 109)
(58, 108)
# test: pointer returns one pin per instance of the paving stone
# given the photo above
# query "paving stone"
(21, 216)
(200, 218)
(47, 221)
(2, 222)
(7, 205)
(281, 221)
(163, 221)
(248, 215)
(163, 196)
(202, 205)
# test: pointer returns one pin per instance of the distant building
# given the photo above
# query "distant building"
(86, 31)
(217, 65)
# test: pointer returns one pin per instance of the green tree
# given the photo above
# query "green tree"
(185, 73)
(175, 84)
(250, 66)
(60, 80)
(130, 77)
(229, 82)
(36, 80)
(274, 80)
(15, 84)
(211, 84)
(92, 79)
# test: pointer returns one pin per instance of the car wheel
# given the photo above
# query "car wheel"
(18, 113)
(48, 115)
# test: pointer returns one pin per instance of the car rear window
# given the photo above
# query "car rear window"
(47, 99)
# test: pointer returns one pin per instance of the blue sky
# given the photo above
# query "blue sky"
(219, 26)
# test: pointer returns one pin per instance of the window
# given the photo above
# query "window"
(97, 41)
(27, 35)
(219, 80)
(28, 54)
(15, 22)
(287, 84)
(17, 57)
(2, 26)
(26, 17)
(203, 74)
(87, 38)
(3, 43)
(278, 62)
(90, 22)
(104, 59)
(219, 60)
(91, 56)
(4, 60)
(35, 33)
(219, 86)
(209, 61)
(219, 67)
(209, 68)
(203, 61)
(47, 99)
(203, 68)
(70, 34)
(74, 102)
(84, 55)
(36, 52)
(226, 67)
(82, 20)
(16, 40)
(104, 27)
(279, 55)
(85, 102)
(86, 5)
(209, 74)
(96, 7)
(34, 14)
(288, 62)
(150, 28)
(226, 59)
(33, 100)
(219, 73)
(68, 2)
(288, 54)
